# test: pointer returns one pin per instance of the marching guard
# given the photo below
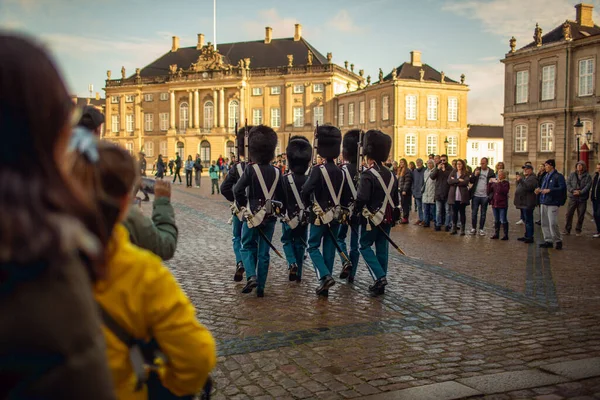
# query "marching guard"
(378, 201)
(350, 145)
(254, 193)
(294, 224)
(242, 137)
(325, 186)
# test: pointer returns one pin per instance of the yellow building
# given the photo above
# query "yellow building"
(424, 111)
(189, 100)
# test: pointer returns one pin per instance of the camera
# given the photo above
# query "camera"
(147, 185)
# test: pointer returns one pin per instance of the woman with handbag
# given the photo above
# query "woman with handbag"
(458, 196)
(498, 189)
(145, 312)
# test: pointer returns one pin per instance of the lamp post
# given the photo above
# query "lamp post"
(446, 144)
(578, 127)
(590, 137)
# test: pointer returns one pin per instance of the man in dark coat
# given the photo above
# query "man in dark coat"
(440, 175)
(526, 200)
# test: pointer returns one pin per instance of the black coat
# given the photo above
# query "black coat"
(316, 189)
(441, 182)
(230, 180)
(595, 192)
(370, 192)
(455, 184)
(247, 189)
(525, 197)
(289, 200)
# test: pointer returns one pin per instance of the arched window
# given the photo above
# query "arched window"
(547, 136)
(234, 113)
(205, 153)
(184, 115)
(520, 138)
(229, 148)
(181, 150)
(208, 115)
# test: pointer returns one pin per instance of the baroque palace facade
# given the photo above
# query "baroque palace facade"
(189, 100)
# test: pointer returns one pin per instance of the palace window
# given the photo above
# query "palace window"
(452, 109)
(410, 144)
(163, 148)
(257, 116)
(209, 115)
(129, 147)
(275, 117)
(298, 88)
(148, 122)
(351, 114)
(318, 115)
(341, 115)
(164, 121)
(205, 153)
(114, 99)
(548, 77)
(372, 110)
(234, 110)
(521, 138)
(411, 107)
(522, 87)
(275, 89)
(114, 123)
(474, 161)
(491, 146)
(298, 117)
(183, 116)
(547, 136)
(257, 91)
(130, 98)
(148, 97)
(385, 108)
(149, 148)
(452, 146)
(129, 122)
(229, 148)
(475, 145)
(432, 141)
(586, 77)
(318, 88)
(432, 108)
(164, 96)
(361, 112)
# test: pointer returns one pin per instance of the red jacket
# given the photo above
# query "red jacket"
(498, 192)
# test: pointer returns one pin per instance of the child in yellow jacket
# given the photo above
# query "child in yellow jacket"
(138, 291)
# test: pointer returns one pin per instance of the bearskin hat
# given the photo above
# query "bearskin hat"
(299, 154)
(329, 141)
(350, 145)
(239, 138)
(261, 144)
(377, 145)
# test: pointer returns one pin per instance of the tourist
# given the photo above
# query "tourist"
(171, 166)
(458, 195)
(189, 168)
(525, 200)
(418, 178)
(440, 175)
(428, 195)
(480, 180)
(92, 119)
(498, 189)
(405, 183)
(541, 173)
(553, 191)
(578, 191)
(160, 168)
(198, 169)
(213, 172)
(178, 165)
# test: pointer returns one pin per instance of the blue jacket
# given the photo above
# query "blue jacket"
(554, 181)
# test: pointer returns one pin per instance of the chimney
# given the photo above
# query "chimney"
(415, 58)
(200, 44)
(268, 34)
(175, 44)
(584, 14)
(298, 33)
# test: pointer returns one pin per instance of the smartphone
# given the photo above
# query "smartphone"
(148, 185)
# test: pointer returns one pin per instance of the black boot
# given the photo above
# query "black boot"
(239, 272)
(346, 269)
(293, 272)
(326, 282)
(453, 230)
(496, 230)
(378, 287)
(250, 285)
(505, 231)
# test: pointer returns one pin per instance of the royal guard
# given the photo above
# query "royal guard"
(378, 202)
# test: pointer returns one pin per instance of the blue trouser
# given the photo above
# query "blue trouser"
(255, 251)
(419, 207)
(428, 213)
(443, 213)
(528, 222)
(323, 263)
(500, 215)
(377, 261)
(479, 202)
(293, 246)
(354, 253)
(236, 225)
(523, 214)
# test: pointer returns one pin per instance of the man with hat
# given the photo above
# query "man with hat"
(92, 119)
(525, 200)
(553, 191)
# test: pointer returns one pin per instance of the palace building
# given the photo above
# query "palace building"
(190, 99)
(424, 111)
(549, 84)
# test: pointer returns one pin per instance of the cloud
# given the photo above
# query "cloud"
(506, 18)
(486, 97)
(343, 22)
(282, 27)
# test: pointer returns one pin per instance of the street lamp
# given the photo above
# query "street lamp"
(446, 144)
(590, 136)
(578, 128)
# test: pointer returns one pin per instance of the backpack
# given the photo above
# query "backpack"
(562, 196)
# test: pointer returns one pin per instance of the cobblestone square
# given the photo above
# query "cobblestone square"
(456, 308)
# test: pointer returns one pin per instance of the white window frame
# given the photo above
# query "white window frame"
(432, 144)
(129, 123)
(148, 97)
(475, 145)
(548, 82)
(372, 110)
(115, 123)
(114, 99)
(452, 146)
(318, 88)
(522, 87)
(452, 109)
(547, 137)
(410, 144)
(275, 90)
(129, 147)
(411, 107)
(164, 121)
(341, 115)
(233, 114)
(257, 91)
(474, 161)
(148, 122)
(275, 117)
(209, 115)
(318, 115)
(184, 116)
(229, 148)
(163, 148)
(129, 98)
(491, 146)
(385, 108)
(298, 89)
(164, 96)
(587, 68)
(520, 138)
(361, 112)
(257, 116)
(432, 109)
(149, 149)
(205, 153)
(350, 114)
(298, 113)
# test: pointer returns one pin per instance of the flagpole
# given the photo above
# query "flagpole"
(215, 23)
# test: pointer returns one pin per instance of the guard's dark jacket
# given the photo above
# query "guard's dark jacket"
(248, 187)
(315, 187)
(289, 200)
(370, 192)
(232, 177)
(348, 199)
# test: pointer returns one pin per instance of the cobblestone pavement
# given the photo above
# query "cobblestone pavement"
(457, 307)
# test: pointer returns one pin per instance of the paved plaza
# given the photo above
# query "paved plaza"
(462, 317)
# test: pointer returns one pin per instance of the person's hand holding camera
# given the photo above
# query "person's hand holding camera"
(162, 189)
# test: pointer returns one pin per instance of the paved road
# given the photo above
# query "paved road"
(456, 308)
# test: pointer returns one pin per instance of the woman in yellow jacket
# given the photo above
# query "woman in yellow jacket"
(139, 292)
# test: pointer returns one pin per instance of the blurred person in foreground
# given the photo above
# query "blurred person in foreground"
(51, 340)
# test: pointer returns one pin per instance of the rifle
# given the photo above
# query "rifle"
(246, 136)
(237, 149)
(315, 144)
(361, 136)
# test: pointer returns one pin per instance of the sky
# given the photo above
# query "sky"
(89, 37)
